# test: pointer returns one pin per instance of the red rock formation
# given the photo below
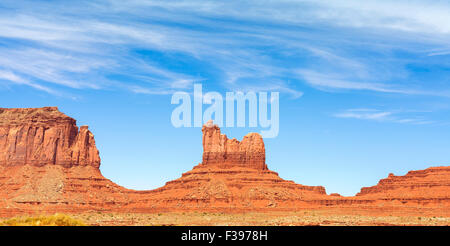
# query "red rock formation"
(433, 182)
(232, 188)
(233, 176)
(47, 164)
(44, 136)
(218, 150)
(335, 194)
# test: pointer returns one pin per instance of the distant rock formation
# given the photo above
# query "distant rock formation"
(218, 150)
(432, 183)
(233, 175)
(44, 136)
(47, 164)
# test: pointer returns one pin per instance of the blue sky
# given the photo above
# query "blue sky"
(364, 86)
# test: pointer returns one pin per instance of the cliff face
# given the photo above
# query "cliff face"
(47, 164)
(218, 150)
(431, 183)
(44, 136)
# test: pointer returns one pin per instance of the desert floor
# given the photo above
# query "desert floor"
(311, 218)
(254, 219)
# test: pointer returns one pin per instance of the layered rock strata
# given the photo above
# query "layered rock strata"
(44, 136)
(433, 182)
(220, 151)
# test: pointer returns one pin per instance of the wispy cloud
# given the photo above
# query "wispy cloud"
(441, 52)
(8, 76)
(326, 81)
(364, 114)
(428, 16)
(381, 116)
(275, 45)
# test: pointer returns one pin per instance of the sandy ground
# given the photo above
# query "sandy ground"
(254, 219)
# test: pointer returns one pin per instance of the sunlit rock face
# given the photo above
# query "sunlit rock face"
(218, 150)
(44, 136)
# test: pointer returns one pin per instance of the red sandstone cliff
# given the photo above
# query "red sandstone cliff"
(220, 151)
(233, 176)
(47, 164)
(44, 136)
(431, 183)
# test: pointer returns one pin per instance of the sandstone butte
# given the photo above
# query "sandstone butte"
(48, 164)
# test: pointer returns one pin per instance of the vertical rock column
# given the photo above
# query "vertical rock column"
(220, 151)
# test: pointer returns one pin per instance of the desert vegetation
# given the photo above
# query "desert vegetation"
(43, 220)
